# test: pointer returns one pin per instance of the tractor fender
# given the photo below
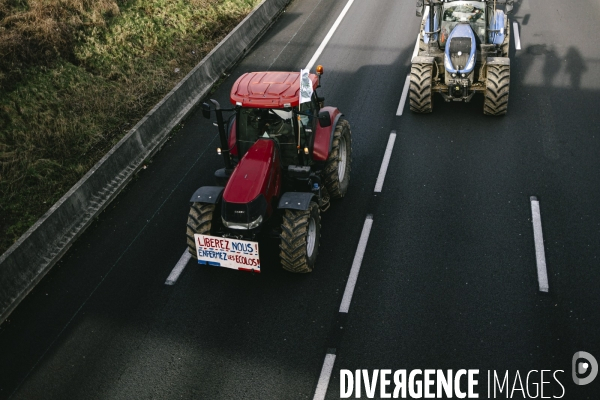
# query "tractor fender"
(498, 24)
(295, 201)
(422, 60)
(498, 61)
(324, 135)
(208, 195)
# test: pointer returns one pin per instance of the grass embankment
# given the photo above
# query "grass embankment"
(76, 75)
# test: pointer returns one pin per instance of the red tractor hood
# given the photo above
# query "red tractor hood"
(251, 176)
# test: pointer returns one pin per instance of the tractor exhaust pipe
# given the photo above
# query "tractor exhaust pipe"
(222, 135)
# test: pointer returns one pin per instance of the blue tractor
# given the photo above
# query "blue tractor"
(463, 50)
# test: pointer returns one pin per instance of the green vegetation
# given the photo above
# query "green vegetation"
(76, 75)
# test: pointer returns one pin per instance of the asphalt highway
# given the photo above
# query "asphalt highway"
(448, 278)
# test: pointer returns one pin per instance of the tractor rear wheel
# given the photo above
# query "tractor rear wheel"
(199, 221)
(421, 82)
(496, 89)
(337, 168)
(505, 48)
(300, 236)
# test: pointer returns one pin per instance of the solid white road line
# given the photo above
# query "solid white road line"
(403, 98)
(540, 255)
(385, 163)
(313, 60)
(416, 48)
(324, 378)
(185, 257)
(419, 34)
(516, 35)
(360, 252)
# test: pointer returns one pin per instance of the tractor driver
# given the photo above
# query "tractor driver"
(278, 126)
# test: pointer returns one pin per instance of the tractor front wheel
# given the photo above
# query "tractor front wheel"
(337, 168)
(421, 82)
(496, 89)
(300, 236)
(199, 221)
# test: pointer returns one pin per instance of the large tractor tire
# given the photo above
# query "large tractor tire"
(505, 48)
(337, 167)
(300, 237)
(421, 82)
(496, 89)
(199, 221)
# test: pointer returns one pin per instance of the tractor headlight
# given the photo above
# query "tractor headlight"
(244, 216)
(250, 225)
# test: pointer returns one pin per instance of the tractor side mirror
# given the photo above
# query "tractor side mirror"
(509, 6)
(420, 8)
(324, 119)
(206, 110)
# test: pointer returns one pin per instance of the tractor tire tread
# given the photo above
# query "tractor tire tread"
(497, 90)
(336, 188)
(293, 254)
(505, 49)
(420, 89)
(199, 222)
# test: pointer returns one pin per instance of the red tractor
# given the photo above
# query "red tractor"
(284, 161)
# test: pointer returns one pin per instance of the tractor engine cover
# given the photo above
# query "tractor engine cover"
(460, 52)
(460, 49)
(251, 187)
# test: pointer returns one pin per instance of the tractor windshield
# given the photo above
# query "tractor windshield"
(277, 124)
(471, 12)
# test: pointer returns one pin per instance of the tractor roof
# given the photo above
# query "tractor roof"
(269, 89)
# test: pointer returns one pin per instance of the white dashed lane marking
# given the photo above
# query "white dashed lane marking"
(358, 257)
(516, 35)
(324, 377)
(403, 98)
(174, 275)
(538, 238)
(385, 163)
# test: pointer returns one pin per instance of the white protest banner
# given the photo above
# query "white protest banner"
(306, 89)
(227, 252)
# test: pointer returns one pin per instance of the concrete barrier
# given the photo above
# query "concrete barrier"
(25, 263)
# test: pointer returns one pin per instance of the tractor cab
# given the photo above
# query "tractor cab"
(267, 123)
(268, 107)
(470, 13)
